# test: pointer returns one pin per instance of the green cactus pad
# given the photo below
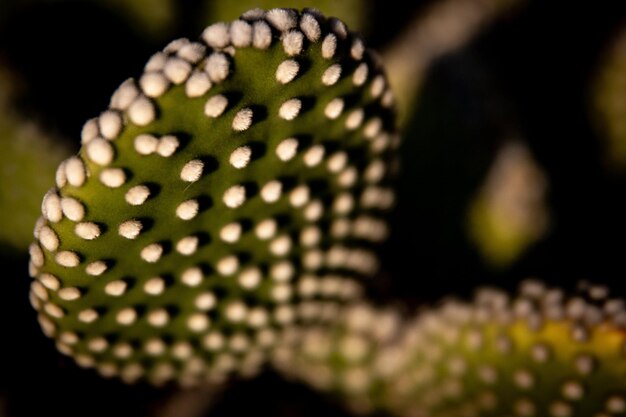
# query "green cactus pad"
(236, 177)
(540, 354)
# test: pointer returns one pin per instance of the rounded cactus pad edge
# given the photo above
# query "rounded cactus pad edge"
(233, 192)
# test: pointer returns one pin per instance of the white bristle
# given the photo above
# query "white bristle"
(60, 177)
(292, 42)
(270, 193)
(137, 195)
(88, 316)
(250, 278)
(329, 45)
(242, 120)
(152, 253)
(177, 70)
(218, 67)
(281, 245)
(126, 316)
(282, 19)
(36, 255)
(154, 286)
(49, 281)
(205, 301)
(310, 26)
(110, 124)
(187, 246)
(156, 62)
(48, 239)
(51, 207)
(314, 211)
(112, 177)
(192, 52)
(75, 171)
(87, 230)
(261, 35)
(227, 266)
(90, 131)
(215, 106)
(192, 171)
(357, 49)
(158, 318)
(216, 35)
(334, 108)
(354, 119)
(314, 155)
(145, 144)
(141, 112)
(67, 259)
(240, 33)
(240, 157)
(100, 151)
(167, 145)
(360, 75)
(337, 161)
(175, 45)
(197, 322)
(299, 196)
(331, 75)
(72, 209)
(290, 109)
(187, 210)
(287, 149)
(198, 84)
(192, 277)
(287, 71)
(153, 84)
(234, 196)
(231, 232)
(130, 229)
(116, 288)
(338, 27)
(282, 271)
(236, 311)
(253, 14)
(266, 229)
(96, 268)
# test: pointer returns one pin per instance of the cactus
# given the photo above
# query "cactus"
(238, 176)
(539, 354)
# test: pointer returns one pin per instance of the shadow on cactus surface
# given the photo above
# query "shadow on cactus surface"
(246, 219)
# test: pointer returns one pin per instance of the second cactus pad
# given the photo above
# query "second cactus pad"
(236, 180)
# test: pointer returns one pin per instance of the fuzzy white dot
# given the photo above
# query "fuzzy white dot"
(257, 317)
(187, 246)
(192, 171)
(216, 35)
(287, 71)
(154, 347)
(299, 196)
(250, 278)
(126, 316)
(310, 26)
(310, 236)
(137, 195)
(154, 84)
(112, 177)
(205, 301)
(187, 210)
(388, 99)
(337, 161)
(373, 128)
(69, 293)
(87, 230)
(271, 192)
(177, 70)
(90, 131)
(122, 350)
(240, 157)
(198, 84)
(261, 35)
(59, 176)
(348, 177)
(72, 209)
(290, 109)
(234, 196)
(54, 310)
(218, 67)
(236, 311)
(130, 229)
(67, 259)
(240, 33)
(49, 281)
(175, 45)
(215, 106)
(281, 245)
(51, 207)
(154, 286)
(344, 203)
(100, 151)
(96, 268)
(331, 75)
(378, 86)
(282, 271)
(329, 46)
(192, 52)
(110, 124)
(75, 171)
(282, 19)
(354, 119)
(156, 62)
(242, 120)
(141, 112)
(287, 149)
(167, 145)
(36, 255)
(152, 253)
(88, 316)
(266, 229)
(145, 144)
(116, 288)
(227, 266)
(213, 341)
(334, 108)
(314, 211)
(360, 75)
(338, 27)
(231, 232)
(357, 49)
(48, 239)
(292, 42)
(198, 322)
(192, 277)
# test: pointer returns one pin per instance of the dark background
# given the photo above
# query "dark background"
(531, 71)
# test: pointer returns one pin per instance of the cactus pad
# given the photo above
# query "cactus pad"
(236, 177)
(539, 354)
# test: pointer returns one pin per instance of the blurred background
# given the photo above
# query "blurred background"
(513, 118)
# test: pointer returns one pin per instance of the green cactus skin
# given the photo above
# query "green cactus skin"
(236, 178)
(539, 354)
